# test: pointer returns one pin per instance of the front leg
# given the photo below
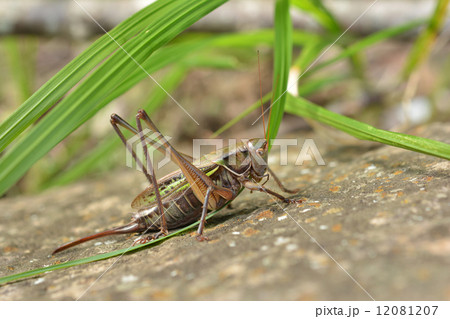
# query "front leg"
(256, 187)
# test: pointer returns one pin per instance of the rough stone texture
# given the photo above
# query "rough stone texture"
(375, 223)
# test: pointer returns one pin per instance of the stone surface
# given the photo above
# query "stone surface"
(375, 223)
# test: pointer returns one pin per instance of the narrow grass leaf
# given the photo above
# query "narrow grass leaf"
(317, 10)
(282, 63)
(119, 252)
(73, 72)
(365, 43)
(21, 60)
(243, 114)
(363, 131)
(86, 99)
(427, 37)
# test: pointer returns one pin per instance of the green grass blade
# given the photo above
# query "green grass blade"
(72, 73)
(22, 63)
(119, 252)
(363, 131)
(86, 99)
(309, 53)
(282, 64)
(314, 85)
(367, 42)
(95, 159)
(306, 89)
(251, 39)
(313, 43)
(243, 114)
(192, 52)
(161, 58)
(317, 10)
(424, 42)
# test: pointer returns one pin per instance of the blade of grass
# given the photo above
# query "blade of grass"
(210, 59)
(243, 114)
(314, 85)
(86, 99)
(282, 64)
(192, 52)
(308, 88)
(363, 131)
(316, 9)
(311, 87)
(365, 43)
(309, 53)
(22, 63)
(176, 52)
(119, 252)
(424, 42)
(73, 72)
(250, 39)
(95, 159)
(160, 59)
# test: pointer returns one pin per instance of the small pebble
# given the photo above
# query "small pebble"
(281, 241)
(291, 247)
(128, 278)
(38, 281)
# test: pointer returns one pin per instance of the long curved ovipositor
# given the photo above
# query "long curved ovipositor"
(133, 227)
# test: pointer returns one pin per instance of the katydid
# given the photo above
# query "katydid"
(188, 194)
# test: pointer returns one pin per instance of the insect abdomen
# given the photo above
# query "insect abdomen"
(185, 208)
(180, 211)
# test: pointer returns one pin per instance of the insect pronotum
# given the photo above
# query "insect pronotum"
(188, 194)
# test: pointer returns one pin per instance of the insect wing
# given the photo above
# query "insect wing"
(168, 185)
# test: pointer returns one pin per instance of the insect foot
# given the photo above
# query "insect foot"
(142, 240)
(146, 239)
(293, 201)
(201, 238)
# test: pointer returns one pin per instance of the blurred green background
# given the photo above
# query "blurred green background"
(391, 70)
